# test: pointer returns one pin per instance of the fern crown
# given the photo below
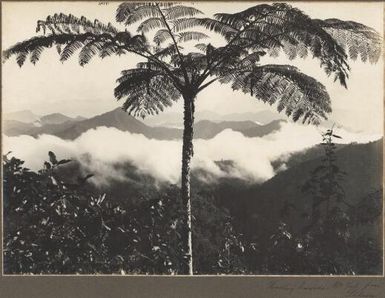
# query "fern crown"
(169, 72)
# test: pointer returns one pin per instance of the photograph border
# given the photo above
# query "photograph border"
(114, 285)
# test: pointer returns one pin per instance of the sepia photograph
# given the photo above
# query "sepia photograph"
(192, 138)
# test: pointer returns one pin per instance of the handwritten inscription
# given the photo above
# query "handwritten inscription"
(103, 3)
(348, 289)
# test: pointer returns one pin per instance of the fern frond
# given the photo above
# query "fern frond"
(286, 87)
(210, 24)
(61, 23)
(70, 49)
(161, 36)
(151, 24)
(143, 12)
(180, 11)
(281, 27)
(191, 35)
(90, 50)
(202, 47)
(126, 9)
(21, 57)
(121, 41)
(109, 49)
(252, 59)
(35, 55)
(356, 38)
(145, 91)
(233, 20)
(184, 24)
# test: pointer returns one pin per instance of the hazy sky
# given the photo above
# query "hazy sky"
(51, 86)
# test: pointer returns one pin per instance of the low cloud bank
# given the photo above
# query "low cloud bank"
(98, 150)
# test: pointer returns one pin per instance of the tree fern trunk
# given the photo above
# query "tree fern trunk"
(187, 154)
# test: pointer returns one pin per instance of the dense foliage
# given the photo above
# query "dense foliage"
(55, 226)
(334, 237)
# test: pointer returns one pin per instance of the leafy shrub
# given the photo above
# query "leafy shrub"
(56, 227)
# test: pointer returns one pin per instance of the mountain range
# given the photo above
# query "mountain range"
(28, 117)
(252, 205)
(176, 119)
(70, 128)
(257, 203)
(257, 207)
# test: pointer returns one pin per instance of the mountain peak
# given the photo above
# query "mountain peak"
(25, 116)
(55, 118)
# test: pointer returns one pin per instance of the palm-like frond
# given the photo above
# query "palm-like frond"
(180, 11)
(61, 23)
(70, 49)
(210, 24)
(70, 34)
(151, 24)
(127, 9)
(153, 15)
(35, 54)
(161, 36)
(90, 43)
(281, 27)
(90, 50)
(295, 93)
(191, 35)
(142, 12)
(146, 91)
(252, 59)
(358, 39)
(202, 47)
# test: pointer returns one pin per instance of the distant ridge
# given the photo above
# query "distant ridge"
(55, 118)
(176, 119)
(264, 202)
(68, 128)
(24, 116)
(28, 117)
(120, 120)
